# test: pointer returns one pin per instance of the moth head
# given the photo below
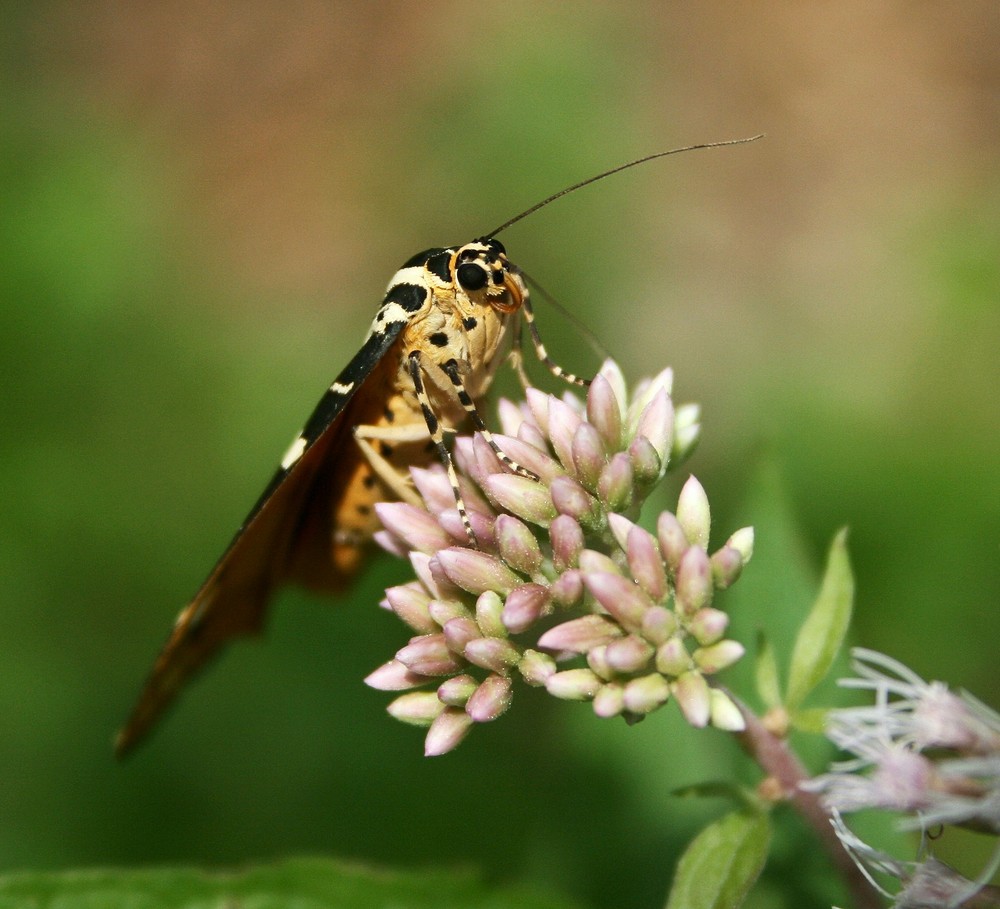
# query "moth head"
(482, 271)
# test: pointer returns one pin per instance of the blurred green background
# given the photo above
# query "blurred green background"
(201, 205)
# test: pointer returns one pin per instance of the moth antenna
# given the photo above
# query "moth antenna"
(593, 341)
(615, 170)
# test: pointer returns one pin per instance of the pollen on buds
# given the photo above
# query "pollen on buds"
(629, 620)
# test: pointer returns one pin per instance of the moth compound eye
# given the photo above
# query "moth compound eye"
(471, 276)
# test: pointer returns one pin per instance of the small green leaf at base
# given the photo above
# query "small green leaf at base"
(720, 866)
(822, 633)
(301, 883)
(766, 673)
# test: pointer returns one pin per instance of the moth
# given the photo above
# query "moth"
(449, 317)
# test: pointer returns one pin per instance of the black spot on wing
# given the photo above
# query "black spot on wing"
(469, 323)
(438, 264)
(409, 296)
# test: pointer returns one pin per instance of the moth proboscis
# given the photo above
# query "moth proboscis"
(441, 332)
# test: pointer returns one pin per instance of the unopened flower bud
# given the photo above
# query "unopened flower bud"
(687, 432)
(569, 497)
(490, 700)
(629, 654)
(644, 695)
(672, 657)
(725, 714)
(573, 684)
(656, 423)
(394, 676)
(692, 694)
(620, 597)
(447, 732)
(459, 631)
(535, 667)
(489, 609)
(742, 542)
(477, 571)
(429, 655)
(563, 423)
(727, 565)
(517, 544)
(495, 654)
(604, 412)
(409, 602)
(658, 624)
(580, 635)
(645, 563)
(610, 700)
(524, 606)
(693, 513)
(418, 708)
(567, 541)
(694, 581)
(718, 656)
(673, 542)
(415, 526)
(519, 495)
(708, 625)
(647, 465)
(589, 456)
(614, 486)
(457, 690)
(567, 589)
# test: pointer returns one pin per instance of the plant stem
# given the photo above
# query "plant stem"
(777, 759)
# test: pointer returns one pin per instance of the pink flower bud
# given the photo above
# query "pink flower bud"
(604, 412)
(580, 635)
(494, 654)
(491, 699)
(644, 695)
(694, 581)
(526, 498)
(567, 541)
(517, 544)
(589, 456)
(447, 732)
(615, 485)
(457, 690)
(673, 543)
(524, 606)
(620, 597)
(629, 654)
(573, 685)
(476, 571)
(394, 676)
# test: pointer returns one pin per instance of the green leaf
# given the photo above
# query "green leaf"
(823, 631)
(301, 883)
(766, 673)
(720, 866)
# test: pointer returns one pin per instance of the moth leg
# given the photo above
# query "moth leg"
(437, 437)
(452, 370)
(542, 353)
(387, 472)
(516, 356)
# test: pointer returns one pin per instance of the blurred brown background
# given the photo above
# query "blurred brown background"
(202, 204)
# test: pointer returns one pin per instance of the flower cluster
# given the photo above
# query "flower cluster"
(565, 590)
(923, 751)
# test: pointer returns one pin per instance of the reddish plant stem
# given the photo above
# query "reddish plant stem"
(777, 759)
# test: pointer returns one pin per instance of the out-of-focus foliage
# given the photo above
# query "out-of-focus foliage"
(199, 208)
